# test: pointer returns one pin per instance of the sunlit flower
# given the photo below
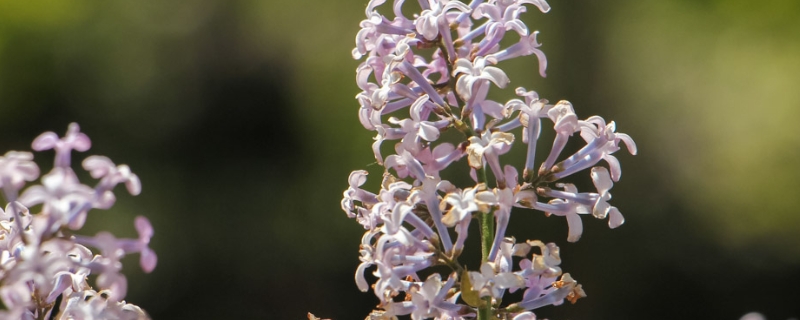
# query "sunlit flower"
(46, 272)
(424, 88)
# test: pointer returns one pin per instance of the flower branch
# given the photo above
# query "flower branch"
(408, 221)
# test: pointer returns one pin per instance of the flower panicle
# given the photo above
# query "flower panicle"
(425, 74)
(44, 263)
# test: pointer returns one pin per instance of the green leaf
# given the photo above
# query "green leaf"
(469, 295)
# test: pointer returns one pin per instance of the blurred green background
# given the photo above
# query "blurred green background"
(239, 118)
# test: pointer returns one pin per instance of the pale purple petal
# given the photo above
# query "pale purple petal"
(628, 142)
(98, 166)
(45, 141)
(357, 178)
(148, 259)
(575, 227)
(525, 316)
(428, 131)
(613, 164)
(496, 75)
(144, 228)
(133, 185)
(615, 218)
(602, 179)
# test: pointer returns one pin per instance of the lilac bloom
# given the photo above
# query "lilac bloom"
(365, 70)
(399, 214)
(40, 265)
(427, 193)
(462, 230)
(431, 20)
(429, 299)
(439, 158)
(508, 249)
(505, 201)
(367, 259)
(544, 264)
(384, 133)
(16, 295)
(372, 100)
(565, 123)
(374, 26)
(570, 209)
(400, 60)
(514, 105)
(393, 190)
(491, 284)
(479, 107)
(73, 140)
(416, 127)
(15, 219)
(477, 71)
(565, 288)
(531, 112)
(113, 249)
(603, 182)
(499, 22)
(390, 271)
(108, 263)
(76, 277)
(16, 168)
(396, 308)
(511, 177)
(527, 45)
(101, 167)
(147, 257)
(355, 193)
(540, 275)
(462, 204)
(405, 164)
(470, 200)
(90, 304)
(602, 143)
(408, 220)
(489, 146)
(61, 193)
(411, 72)
(115, 283)
(39, 268)
(437, 66)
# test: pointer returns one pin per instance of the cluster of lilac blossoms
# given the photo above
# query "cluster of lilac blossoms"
(44, 265)
(431, 72)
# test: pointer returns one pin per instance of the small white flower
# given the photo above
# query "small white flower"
(472, 72)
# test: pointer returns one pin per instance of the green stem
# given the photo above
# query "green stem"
(485, 311)
(487, 238)
(487, 235)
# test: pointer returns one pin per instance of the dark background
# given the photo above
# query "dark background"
(239, 118)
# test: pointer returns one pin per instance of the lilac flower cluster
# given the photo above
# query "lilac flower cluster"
(44, 265)
(412, 97)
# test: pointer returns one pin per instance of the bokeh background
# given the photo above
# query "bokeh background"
(239, 118)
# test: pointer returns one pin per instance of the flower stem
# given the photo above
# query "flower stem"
(487, 238)
(485, 311)
(487, 235)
